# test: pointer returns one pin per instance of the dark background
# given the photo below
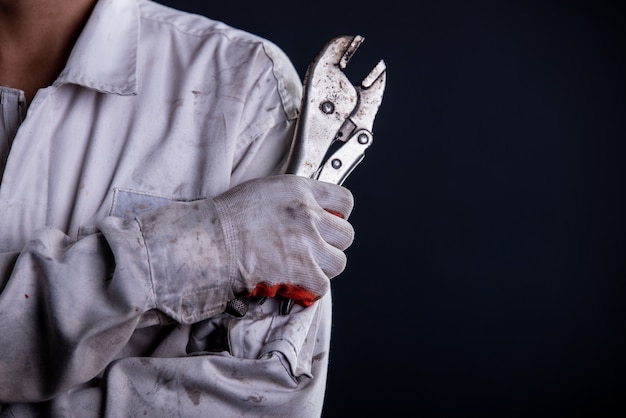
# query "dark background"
(487, 274)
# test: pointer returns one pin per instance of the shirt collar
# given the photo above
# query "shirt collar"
(104, 57)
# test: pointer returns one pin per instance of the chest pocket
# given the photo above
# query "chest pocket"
(128, 204)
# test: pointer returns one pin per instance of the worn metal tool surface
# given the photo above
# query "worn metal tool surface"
(334, 127)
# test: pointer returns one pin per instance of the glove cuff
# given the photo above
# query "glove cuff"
(189, 267)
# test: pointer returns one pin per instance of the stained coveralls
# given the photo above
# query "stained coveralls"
(112, 298)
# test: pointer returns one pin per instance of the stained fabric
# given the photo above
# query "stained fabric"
(155, 110)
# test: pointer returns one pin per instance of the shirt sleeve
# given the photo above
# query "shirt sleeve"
(70, 309)
(276, 366)
(256, 379)
(64, 313)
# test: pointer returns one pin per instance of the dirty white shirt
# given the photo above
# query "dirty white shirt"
(105, 308)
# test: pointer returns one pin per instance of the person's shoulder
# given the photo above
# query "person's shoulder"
(199, 41)
(194, 25)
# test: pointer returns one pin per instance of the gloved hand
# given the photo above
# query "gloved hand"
(285, 235)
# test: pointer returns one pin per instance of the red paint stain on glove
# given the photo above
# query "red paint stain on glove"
(299, 295)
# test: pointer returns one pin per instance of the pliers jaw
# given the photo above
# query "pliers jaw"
(335, 110)
(356, 131)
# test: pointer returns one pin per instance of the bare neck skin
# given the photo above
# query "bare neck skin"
(36, 37)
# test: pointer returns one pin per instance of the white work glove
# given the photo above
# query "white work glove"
(285, 235)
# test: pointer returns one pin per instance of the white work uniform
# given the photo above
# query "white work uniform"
(108, 307)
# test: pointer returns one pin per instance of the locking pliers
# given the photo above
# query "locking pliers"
(334, 127)
(333, 111)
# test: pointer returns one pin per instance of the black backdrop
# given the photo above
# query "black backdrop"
(487, 274)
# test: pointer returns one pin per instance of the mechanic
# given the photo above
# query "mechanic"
(142, 152)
